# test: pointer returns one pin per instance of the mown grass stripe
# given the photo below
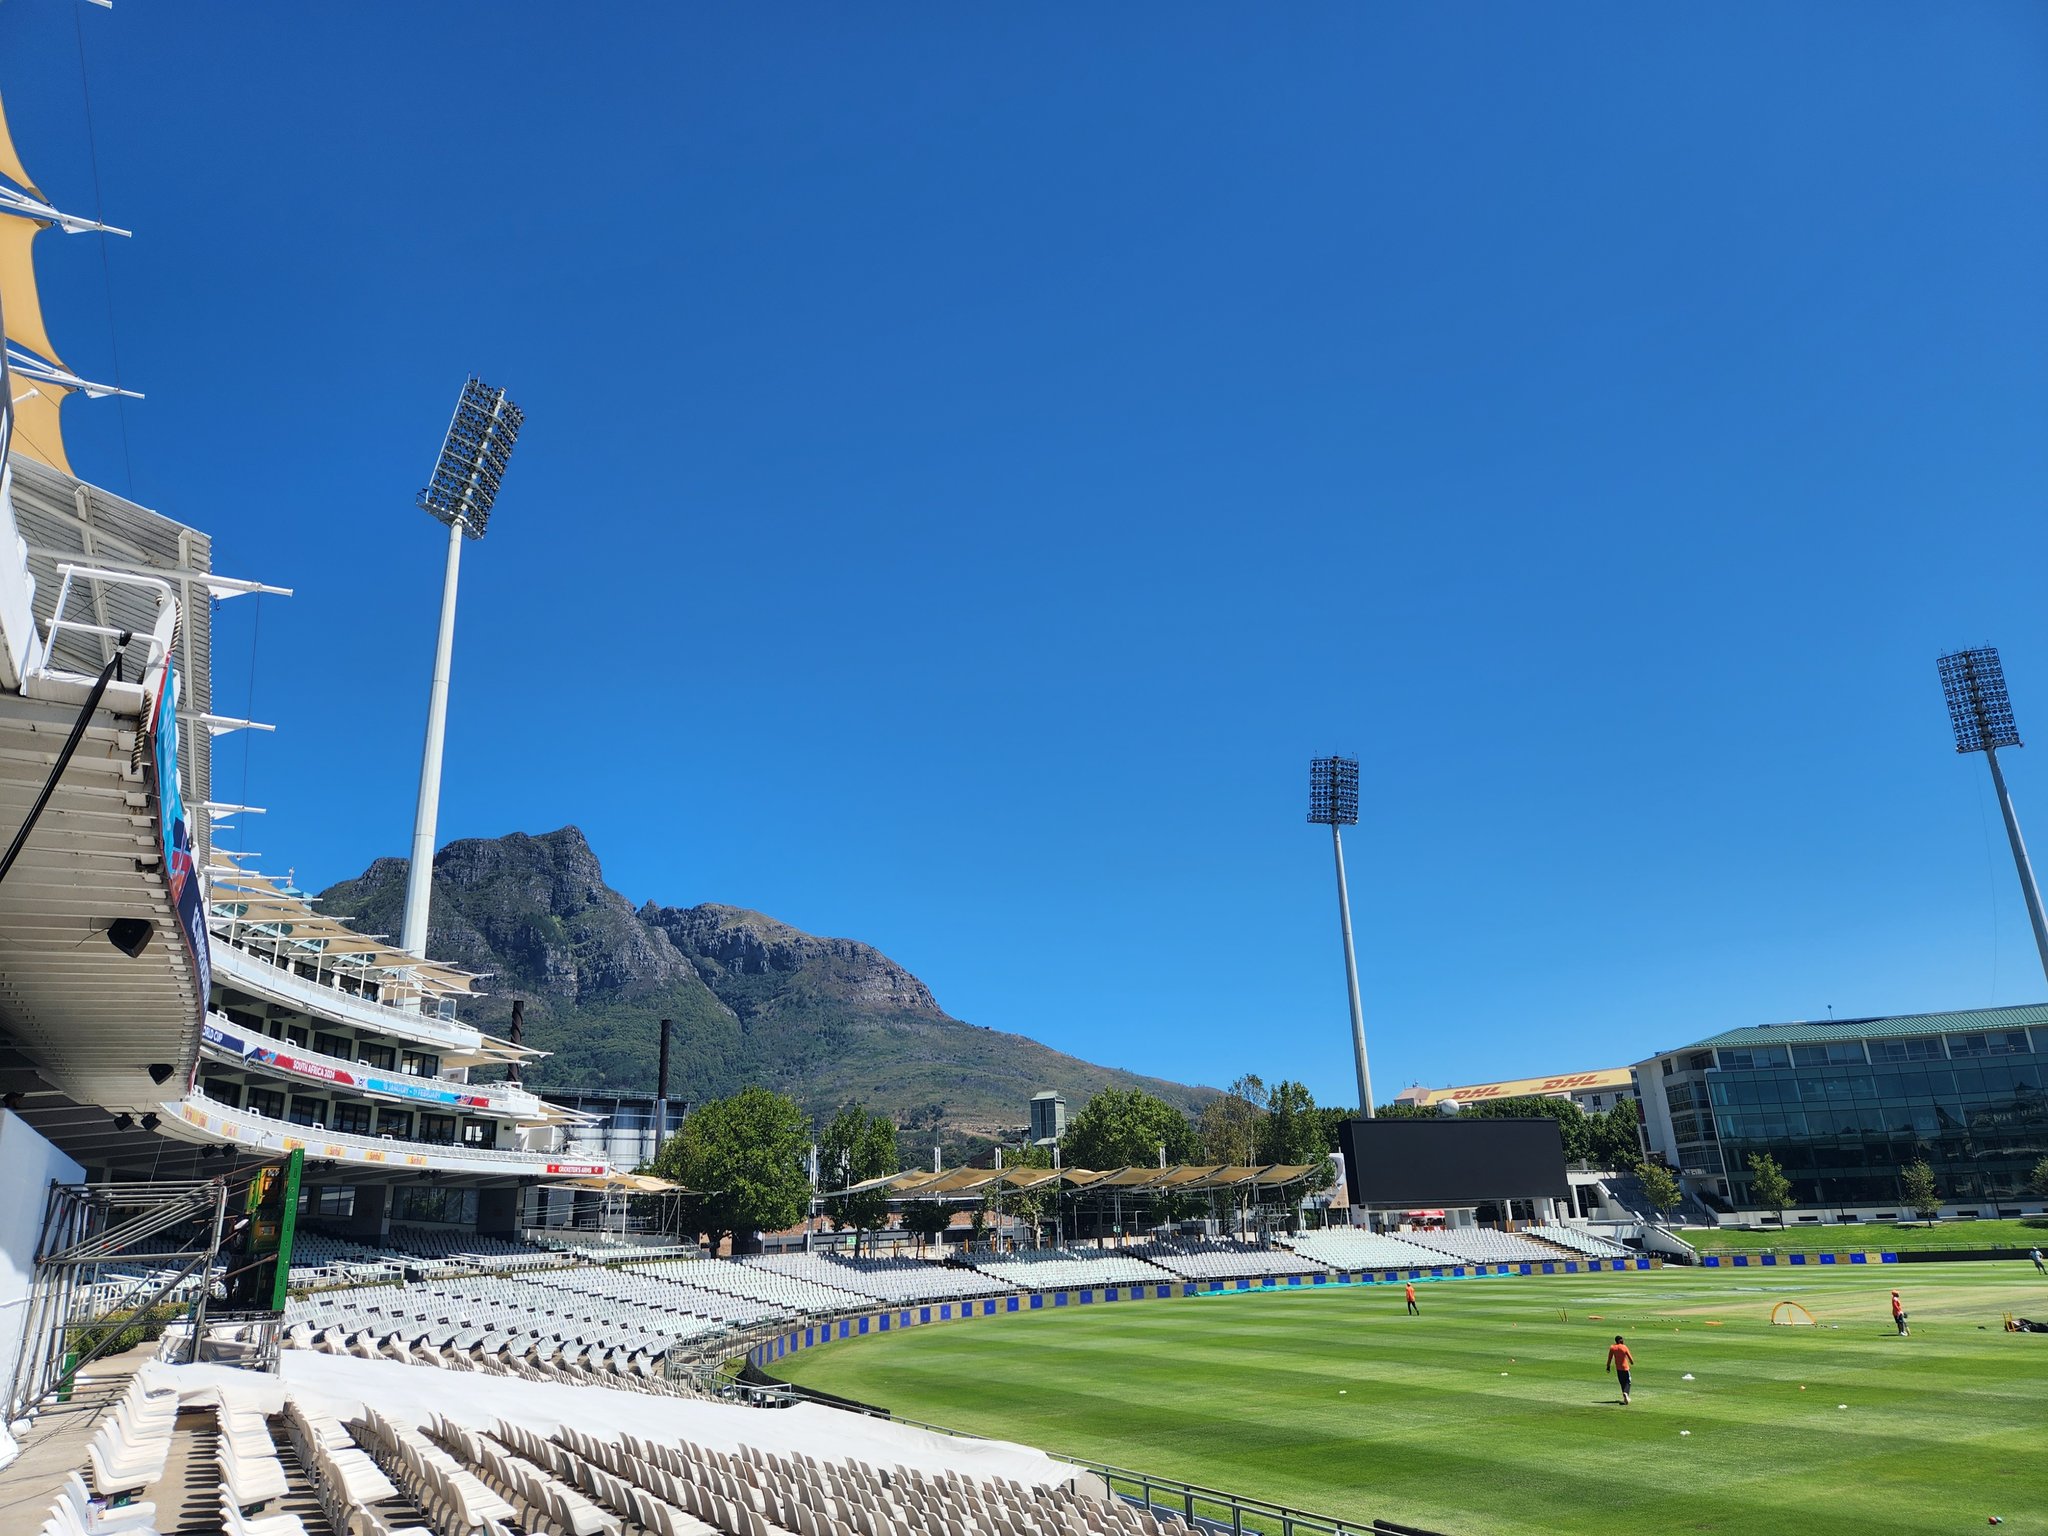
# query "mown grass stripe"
(1335, 1400)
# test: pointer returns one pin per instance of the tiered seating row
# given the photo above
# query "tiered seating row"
(1055, 1269)
(893, 1280)
(1227, 1261)
(1483, 1245)
(1351, 1248)
(1588, 1243)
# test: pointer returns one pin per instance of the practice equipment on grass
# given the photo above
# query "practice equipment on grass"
(1789, 1314)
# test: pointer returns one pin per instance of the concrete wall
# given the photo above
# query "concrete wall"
(31, 1164)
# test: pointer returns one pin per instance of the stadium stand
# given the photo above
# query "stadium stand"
(282, 1460)
(1052, 1269)
(1590, 1244)
(1227, 1261)
(899, 1280)
(1351, 1249)
(786, 1292)
(1483, 1245)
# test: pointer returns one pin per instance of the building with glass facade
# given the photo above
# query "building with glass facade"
(1844, 1105)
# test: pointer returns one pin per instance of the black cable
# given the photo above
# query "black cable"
(92, 702)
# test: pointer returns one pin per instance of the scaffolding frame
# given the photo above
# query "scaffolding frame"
(87, 1227)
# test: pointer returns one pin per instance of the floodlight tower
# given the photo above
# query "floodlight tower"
(1979, 709)
(1333, 803)
(465, 484)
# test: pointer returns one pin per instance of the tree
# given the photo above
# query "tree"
(926, 1219)
(1028, 1205)
(1125, 1128)
(1768, 1186)
(857, 1146)
(1296, 1132)
(1916, 1184)
(1231, 1122)
(1574, 1125)
(1660, 1184)
(2037, 1181)
(743, 1159)
(1612, 1138)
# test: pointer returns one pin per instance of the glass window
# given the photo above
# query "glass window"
(299, 1037)
(394, 1122)
(420, 1064)
(1836, 1053)
(1919, 1048)
(353, 1118)
(383, 1057)
(267, 1101)
(307, 1111)
(333, 1045)
(1754, 1058)
(479, 1133)
(430, 1204)
(437, 1128)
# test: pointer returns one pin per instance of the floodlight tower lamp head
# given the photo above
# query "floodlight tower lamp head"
(473, 457)
(1979, 709)
(1333, 791)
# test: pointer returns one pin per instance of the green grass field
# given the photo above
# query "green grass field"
(1491, 1414)
(2019, 1232)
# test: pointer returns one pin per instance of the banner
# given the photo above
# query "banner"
(266, 1052)
(180, 873)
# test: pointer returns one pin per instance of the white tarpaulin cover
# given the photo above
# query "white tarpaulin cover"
(414, 1393)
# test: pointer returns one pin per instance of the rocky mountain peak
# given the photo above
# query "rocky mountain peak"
(754, 1000)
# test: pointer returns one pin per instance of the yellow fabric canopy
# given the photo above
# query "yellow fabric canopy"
(38, 434)
(10, 162)
(24, 311)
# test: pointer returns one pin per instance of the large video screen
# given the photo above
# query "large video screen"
(1452, 1161)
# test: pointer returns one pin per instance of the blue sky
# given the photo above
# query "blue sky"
(976, 457)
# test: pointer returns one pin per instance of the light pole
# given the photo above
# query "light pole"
(1981, 713)
(1333, 803)
(465, 484)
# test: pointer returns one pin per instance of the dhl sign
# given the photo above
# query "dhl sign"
(1521, 1087)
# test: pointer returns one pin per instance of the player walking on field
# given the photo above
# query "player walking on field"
(1412, 1307)
(1621, 1362)
(2035, 1255)
(1899, 1313)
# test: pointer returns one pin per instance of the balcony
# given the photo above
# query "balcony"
(240, 967)
(200, 1117)
(224, 1042)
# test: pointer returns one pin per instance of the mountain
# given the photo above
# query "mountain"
(754, 1000)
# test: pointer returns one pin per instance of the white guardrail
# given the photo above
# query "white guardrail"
(208, 1115)
(231, 1043)
(254, 971)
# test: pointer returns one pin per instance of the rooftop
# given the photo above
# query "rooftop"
(1822, 1031)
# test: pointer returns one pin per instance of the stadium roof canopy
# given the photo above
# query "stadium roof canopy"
(1186, 1178)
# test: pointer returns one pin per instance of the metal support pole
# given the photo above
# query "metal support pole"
(419, 875)
(1351, 977)
(2019, 858)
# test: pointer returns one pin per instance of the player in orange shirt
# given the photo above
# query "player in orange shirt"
(1621, 1362)
(1412, 1308)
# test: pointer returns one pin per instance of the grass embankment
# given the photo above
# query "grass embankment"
(1877, 1236)
(1490, 1413)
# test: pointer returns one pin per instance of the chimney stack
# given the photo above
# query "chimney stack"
(661, 1088)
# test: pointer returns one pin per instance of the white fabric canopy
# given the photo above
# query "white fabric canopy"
(414, 1393)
